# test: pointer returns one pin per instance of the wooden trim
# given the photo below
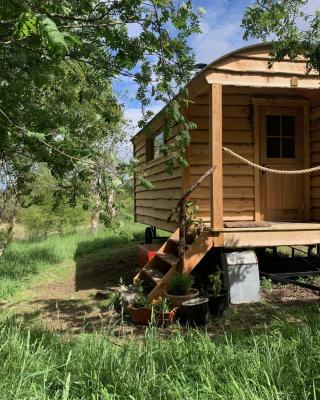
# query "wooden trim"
(259, 101)
(271, 238)
(186, 183)
(307, 178)
(215, 140)
(260, 80)
(256, 159)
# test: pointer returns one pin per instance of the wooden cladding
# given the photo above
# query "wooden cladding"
(315, 161)
(237, 134)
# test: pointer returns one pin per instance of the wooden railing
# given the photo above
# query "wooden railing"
(181, 206)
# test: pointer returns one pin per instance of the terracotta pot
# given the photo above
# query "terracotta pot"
(139, 315)
(165, 318)
(178, 300)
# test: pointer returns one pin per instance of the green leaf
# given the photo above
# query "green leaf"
(54, 39)
(145, 183)
(26, 24)
(35, 135)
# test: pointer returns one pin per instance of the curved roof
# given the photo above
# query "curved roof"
(250, 66)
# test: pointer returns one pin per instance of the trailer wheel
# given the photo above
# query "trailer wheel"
(148, 235)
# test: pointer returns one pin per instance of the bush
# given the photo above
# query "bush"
(44, 220)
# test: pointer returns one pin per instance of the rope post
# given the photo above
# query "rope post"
(182, 236)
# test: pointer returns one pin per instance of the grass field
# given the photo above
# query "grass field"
(282, 364)
(24, 259)
(267, 351)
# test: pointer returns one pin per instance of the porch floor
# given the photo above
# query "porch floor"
(278, 234)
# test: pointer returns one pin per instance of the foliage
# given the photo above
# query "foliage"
(44, 365)
(115, 301)
(140, 300)
(46, 215)
(76, 120)
(194, 224)
(287, 23)
(180, 284)
(266, 283)
(161, 305)
(57, 106)
(216, 283)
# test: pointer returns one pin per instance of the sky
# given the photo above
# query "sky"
(221, 34)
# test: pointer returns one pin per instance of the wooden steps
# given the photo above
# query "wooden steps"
(161, 269)
(154, 274)
(168, 258)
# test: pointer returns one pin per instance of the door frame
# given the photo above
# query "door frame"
(304, 105)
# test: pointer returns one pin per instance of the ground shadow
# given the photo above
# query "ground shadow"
(101, 263)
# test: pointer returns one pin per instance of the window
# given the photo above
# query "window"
(153, 146)
(280, 136)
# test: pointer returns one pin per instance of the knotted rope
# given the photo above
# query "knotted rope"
(271, 170)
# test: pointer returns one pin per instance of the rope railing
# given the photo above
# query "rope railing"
(271, 170)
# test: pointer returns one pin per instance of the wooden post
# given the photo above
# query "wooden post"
(215, 137)
(182, 236)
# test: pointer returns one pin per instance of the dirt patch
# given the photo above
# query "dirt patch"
(68, 304)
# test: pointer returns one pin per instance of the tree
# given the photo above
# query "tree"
(58, 57)
(288, 24)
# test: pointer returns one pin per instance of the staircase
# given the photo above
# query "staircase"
(160, 270)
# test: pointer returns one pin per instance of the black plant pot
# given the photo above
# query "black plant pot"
(194, 312)
(218, 305)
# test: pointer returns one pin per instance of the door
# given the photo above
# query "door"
(282, 196)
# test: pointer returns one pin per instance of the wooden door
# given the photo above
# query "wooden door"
(282, 131)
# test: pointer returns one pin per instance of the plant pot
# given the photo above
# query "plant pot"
(195, 311)
(177, 300)
(165, 318)
(190, 239)
(218, 305)
(139, 315)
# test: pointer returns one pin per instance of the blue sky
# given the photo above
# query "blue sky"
(221, 33)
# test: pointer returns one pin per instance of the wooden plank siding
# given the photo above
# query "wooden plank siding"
(238, 179)
(315, 161)
(152, 207)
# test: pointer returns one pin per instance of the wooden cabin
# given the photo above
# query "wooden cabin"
(267, 112)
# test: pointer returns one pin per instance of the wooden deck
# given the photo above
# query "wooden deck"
(279, 234)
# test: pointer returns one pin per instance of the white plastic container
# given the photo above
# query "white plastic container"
(241, 272)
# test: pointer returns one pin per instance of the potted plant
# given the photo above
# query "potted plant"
(195, 311)
(194, 225)
(218, 297)
(164, 311)
(180, 289)
(140, 309)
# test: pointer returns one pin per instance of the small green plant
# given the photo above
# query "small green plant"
(216, 282)
(141, 300)
(115, 301)
(194, 225)
(180, 284)
(266, 283)
(305, 279)
(162, 305)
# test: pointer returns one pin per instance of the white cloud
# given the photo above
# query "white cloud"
(134, 114)
(221, 31)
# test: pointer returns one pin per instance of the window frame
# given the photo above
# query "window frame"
(150, 146)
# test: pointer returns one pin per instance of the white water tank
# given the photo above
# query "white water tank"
(241, 274)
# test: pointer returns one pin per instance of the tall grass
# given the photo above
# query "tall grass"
(24, 258)
(266, 367)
